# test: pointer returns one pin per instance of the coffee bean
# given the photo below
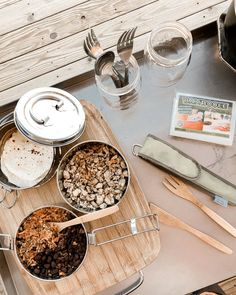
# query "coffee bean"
(70, 270)
(64, 269)
(46, 265)
(55, 256)
(53, 264)
(54, 272)
(38, 257)
(76, 256)
(49, 259)
(65, 258)
(37, 271)
(76, 262)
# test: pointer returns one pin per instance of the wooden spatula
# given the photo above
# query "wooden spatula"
(87, 217)
(179, 188)
(171, 220)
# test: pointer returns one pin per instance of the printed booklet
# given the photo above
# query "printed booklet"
(203, 118)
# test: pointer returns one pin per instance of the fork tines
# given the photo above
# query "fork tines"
(91, 45)
(126, 39)
(171, 180)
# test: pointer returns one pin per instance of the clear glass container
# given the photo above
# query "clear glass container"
(124, 97)
(168, 52)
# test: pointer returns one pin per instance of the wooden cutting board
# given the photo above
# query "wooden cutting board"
(104, 265)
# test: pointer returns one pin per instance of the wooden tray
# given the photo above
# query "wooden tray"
(104, 265)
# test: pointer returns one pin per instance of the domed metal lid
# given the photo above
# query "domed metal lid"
(50, 116)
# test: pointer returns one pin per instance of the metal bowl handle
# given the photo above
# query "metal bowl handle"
(135, 149)
(3, 201)
(133, 286)
(92, 238)
(7, 242)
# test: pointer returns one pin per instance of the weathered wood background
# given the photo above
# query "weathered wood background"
(41, 40)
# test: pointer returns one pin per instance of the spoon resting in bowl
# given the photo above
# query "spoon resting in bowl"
(86, 218)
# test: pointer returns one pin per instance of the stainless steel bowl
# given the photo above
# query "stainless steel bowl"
(11, 244)
(7, 127)
(66, 158)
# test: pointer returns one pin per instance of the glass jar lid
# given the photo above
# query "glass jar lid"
(50, 116)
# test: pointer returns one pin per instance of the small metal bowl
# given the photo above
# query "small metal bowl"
(10, 243)
(60, 177)
(7, 127)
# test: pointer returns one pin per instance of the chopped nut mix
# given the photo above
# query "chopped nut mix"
(95, 177)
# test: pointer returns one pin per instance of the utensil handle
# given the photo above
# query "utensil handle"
(171, 220)
(219, 220)
(133, 286)
(126, 75)
(99, 214)
(119, 76)
(209, 240)
(116, 81)
(91, 216)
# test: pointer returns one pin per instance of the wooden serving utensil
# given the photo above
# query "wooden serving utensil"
(171, 220)
(179, 188)
(87, 217)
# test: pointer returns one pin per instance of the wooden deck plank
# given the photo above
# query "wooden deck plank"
(5, 3)
(69, 50)
(62, 25)
(24, 12)
(79, 67)
(84, 65)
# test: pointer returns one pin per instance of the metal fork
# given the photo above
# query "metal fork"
(93, 49)
(179, 188)
(92, 46)
(125, 48)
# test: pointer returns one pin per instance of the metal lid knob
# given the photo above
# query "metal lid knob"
(50, 116)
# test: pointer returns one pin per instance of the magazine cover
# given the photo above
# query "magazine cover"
(203, 118)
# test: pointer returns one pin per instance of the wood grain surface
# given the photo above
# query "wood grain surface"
(104, 265)
(41, 41)
(229, 286)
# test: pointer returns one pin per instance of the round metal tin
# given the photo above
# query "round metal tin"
(50, 116)
(72, 152)
(12, 245)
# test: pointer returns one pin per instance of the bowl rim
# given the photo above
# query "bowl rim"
(11, 126)
(74, 149)
(15, 247)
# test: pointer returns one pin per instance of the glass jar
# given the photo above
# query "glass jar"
(123, 97)
(168, 52)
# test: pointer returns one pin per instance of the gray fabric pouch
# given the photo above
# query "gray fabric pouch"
(162, 154)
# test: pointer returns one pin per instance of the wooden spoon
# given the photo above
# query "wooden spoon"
(87, 217)
(171, 220)
(179, 188)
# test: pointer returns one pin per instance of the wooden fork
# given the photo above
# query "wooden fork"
(171, 220)
(179, 188)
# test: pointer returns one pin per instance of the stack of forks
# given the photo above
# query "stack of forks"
(105, 60)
